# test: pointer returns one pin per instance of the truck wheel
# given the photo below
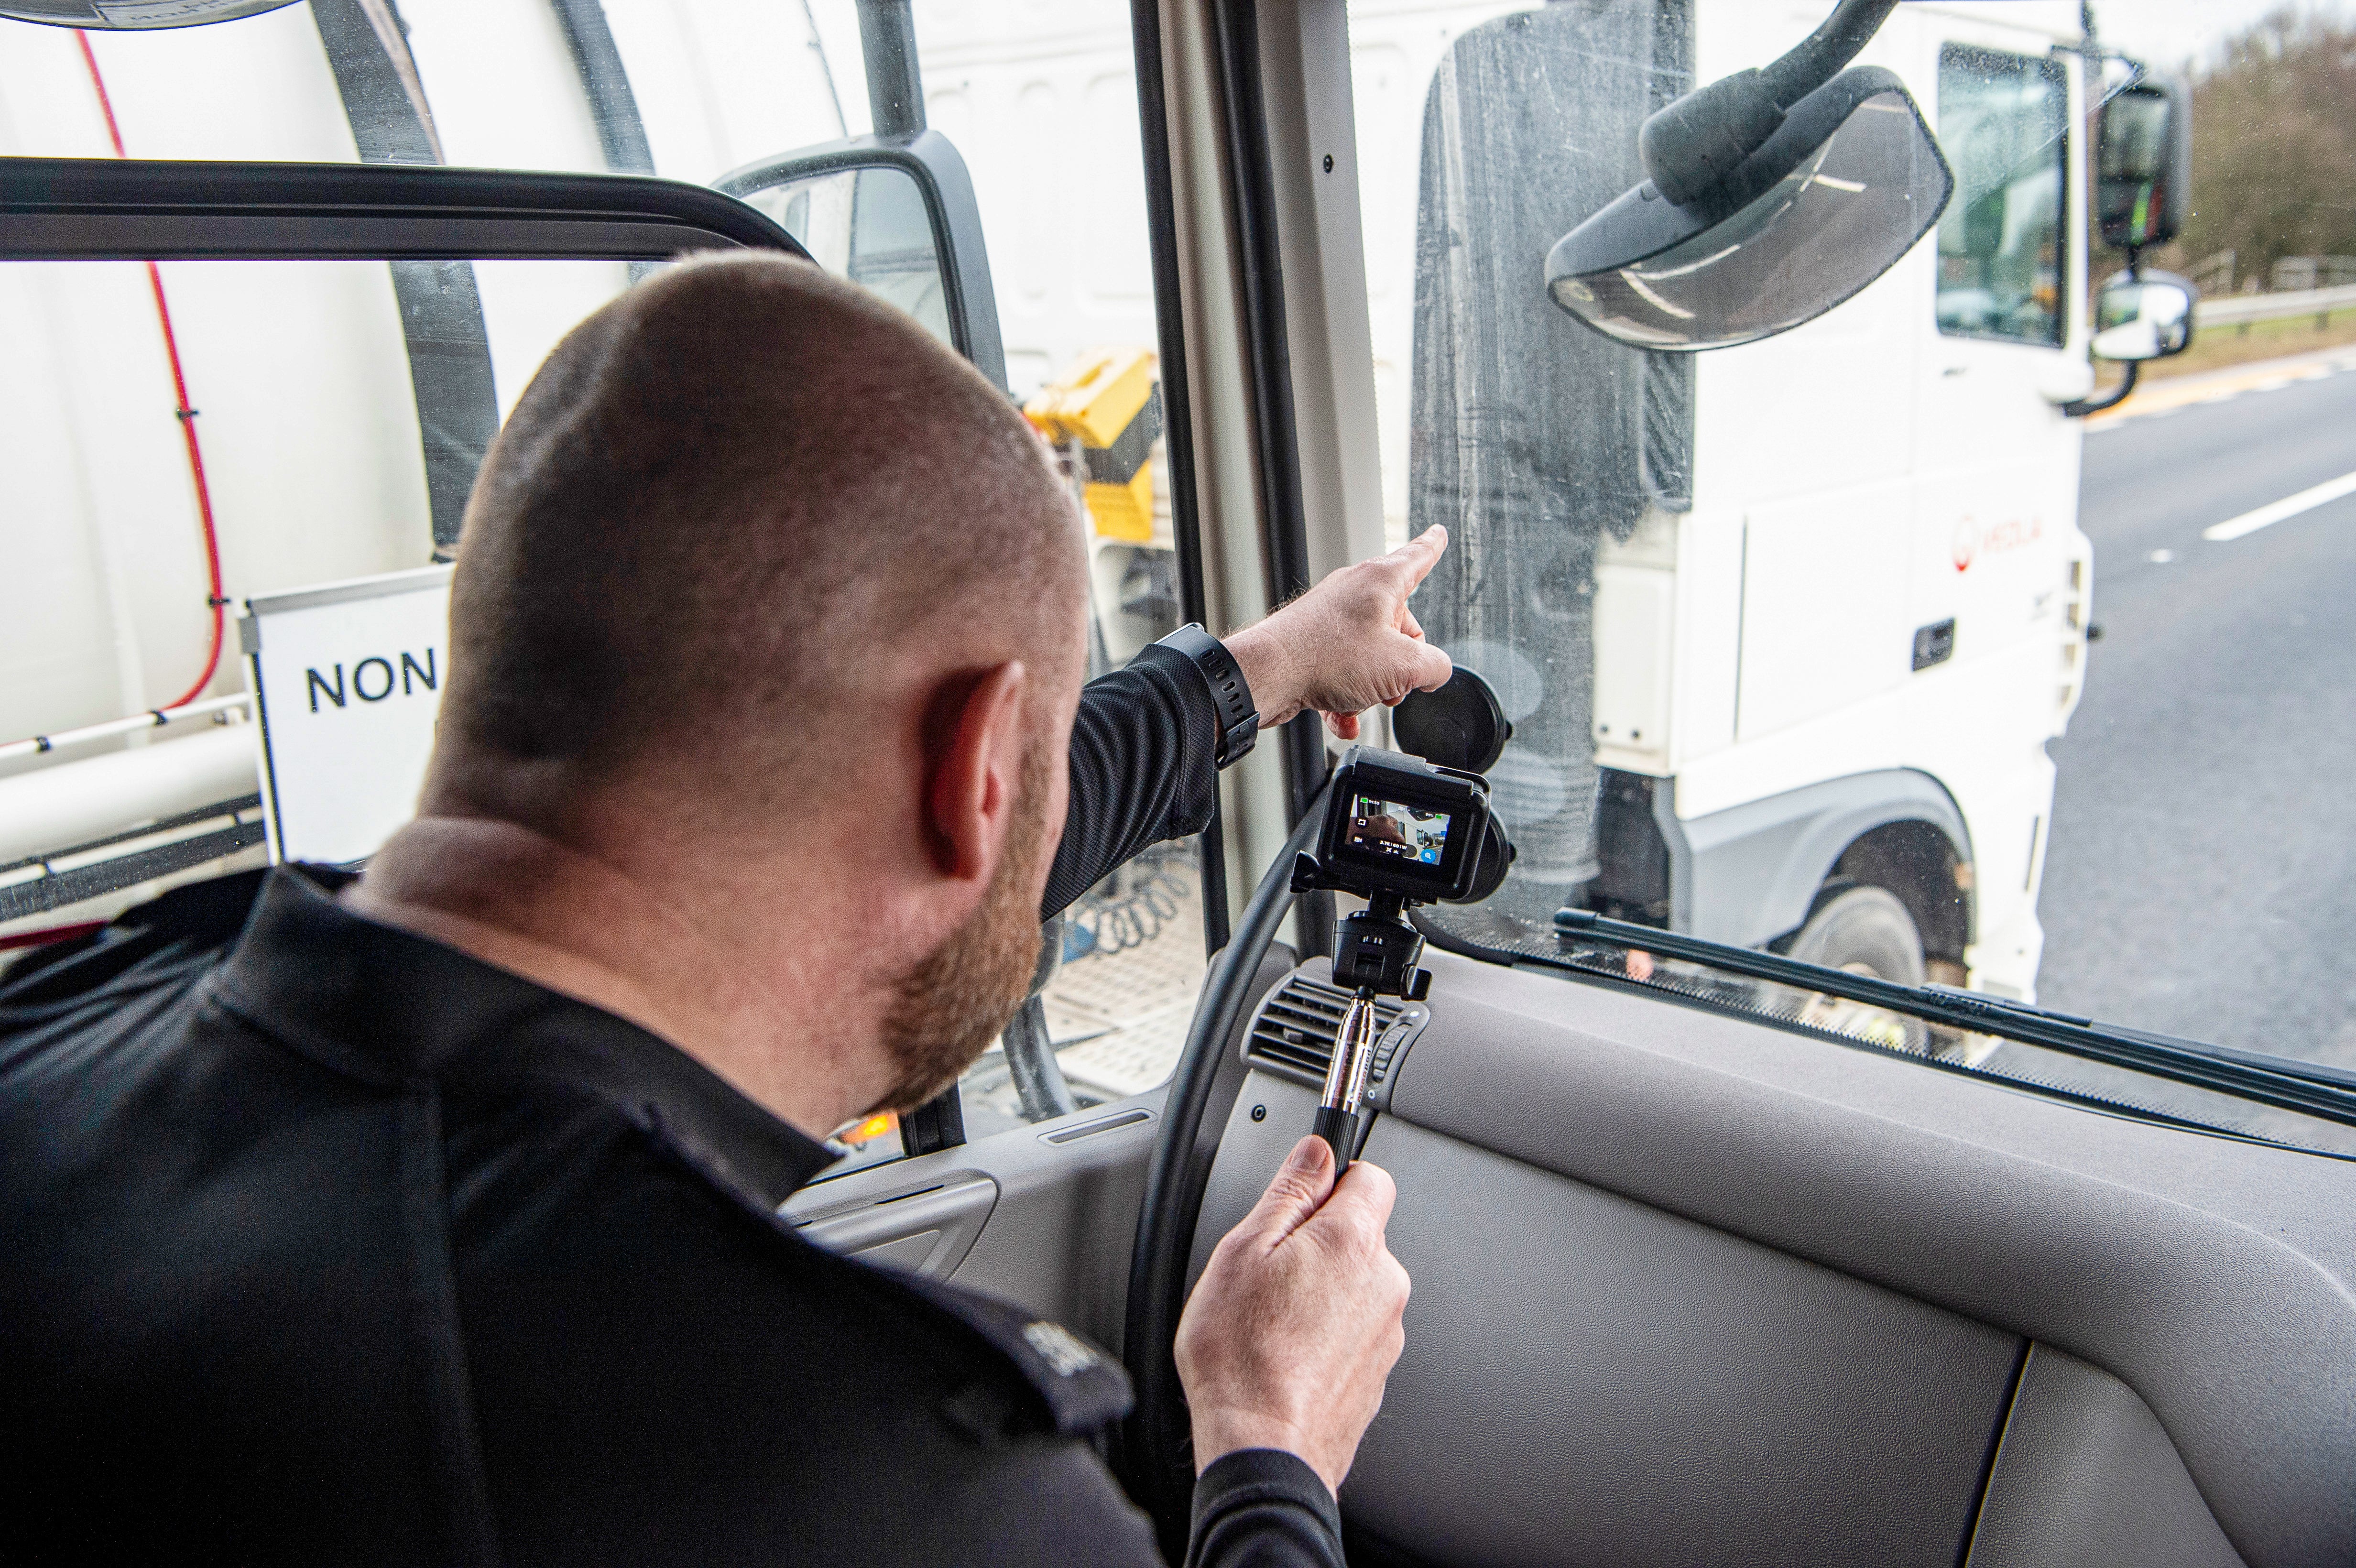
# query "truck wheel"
(1866, 931)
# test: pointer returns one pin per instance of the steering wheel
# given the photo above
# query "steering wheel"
(1155, 1439)
(1461, 725)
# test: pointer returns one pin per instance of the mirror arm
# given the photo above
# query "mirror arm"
(895, 92)
(1691, 145)
(1819, 56)
(2117, 395)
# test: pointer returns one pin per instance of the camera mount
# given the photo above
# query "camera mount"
(1398, 831)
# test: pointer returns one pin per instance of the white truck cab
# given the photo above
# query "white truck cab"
(1841, 663)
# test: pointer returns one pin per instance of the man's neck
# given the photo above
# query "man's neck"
(714, 984)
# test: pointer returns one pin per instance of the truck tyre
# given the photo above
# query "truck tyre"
(1866, 931)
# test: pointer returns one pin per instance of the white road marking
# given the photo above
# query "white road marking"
(2288, 506)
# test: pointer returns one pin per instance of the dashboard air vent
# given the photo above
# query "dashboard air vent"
(1296, 1027)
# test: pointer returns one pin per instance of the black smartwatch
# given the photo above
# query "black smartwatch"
(1238, 719)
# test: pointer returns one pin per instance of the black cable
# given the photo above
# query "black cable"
(1155, 1436)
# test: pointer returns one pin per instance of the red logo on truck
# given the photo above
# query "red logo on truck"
(1970, 540)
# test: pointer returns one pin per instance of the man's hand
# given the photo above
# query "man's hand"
(1347, 644)
(1292, 1331)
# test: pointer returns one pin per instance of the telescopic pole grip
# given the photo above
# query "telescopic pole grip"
(1338, 1128)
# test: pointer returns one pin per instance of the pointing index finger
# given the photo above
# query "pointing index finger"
(1420, 554)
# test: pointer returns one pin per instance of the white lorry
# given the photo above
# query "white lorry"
(1828, 665)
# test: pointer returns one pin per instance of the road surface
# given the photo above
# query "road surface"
(2201, 878)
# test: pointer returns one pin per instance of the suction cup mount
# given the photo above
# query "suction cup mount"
(1463, 725)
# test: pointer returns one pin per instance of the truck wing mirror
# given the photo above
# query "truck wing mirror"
(2143, 162)
(2143, 315)
(1774, 196)
(95, 17)
(896, 215)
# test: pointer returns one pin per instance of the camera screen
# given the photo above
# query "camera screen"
(1396, 829)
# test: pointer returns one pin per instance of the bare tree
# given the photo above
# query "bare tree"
(2273, 145)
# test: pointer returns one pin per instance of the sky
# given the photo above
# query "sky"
(2167, 32)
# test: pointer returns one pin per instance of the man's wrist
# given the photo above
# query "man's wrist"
(1268, 669)
(1219, 1432)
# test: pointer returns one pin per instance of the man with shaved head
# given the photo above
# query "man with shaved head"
(433, 1215)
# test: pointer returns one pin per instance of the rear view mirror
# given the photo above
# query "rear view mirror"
(2143, 316)
(895, 214)
(1841, 190)
(2143, 164)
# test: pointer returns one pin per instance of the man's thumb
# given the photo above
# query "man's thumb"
(1429, 669)
(1300, 1185)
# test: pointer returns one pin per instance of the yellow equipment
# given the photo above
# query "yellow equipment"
(1110, 402)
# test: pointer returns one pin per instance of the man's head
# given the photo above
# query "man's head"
(762, 588)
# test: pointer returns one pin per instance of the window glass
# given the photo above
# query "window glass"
(689, 88)
(186, 437)
(1040, 98)
(307, 387)
(2002, 119)
(1861, 588)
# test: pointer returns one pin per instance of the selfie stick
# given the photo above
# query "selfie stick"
(1374, 952)
(1346, 1080)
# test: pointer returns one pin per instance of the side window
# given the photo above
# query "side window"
(1072, 271)
(2003, 122)
(201, 452)
(198, 413)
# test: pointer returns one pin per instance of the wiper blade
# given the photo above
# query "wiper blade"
(2311, 1088)
(2313, 1071)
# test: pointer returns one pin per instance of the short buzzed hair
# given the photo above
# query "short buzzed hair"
(723, 492)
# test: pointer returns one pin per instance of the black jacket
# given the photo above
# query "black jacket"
(328, 1244)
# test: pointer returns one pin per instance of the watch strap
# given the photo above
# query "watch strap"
(1230, 694)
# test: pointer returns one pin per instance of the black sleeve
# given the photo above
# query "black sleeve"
(1142, 769)
(1050, 1500)
(1263, 1508)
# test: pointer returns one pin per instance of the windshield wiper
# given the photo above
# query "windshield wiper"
(2313, 1071)
(2311, 1088)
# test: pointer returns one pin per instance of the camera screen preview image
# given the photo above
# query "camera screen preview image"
(1398, 830)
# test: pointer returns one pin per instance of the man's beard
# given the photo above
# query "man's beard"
(953, 1002)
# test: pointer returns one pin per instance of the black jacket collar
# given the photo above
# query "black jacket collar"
(389, 1007)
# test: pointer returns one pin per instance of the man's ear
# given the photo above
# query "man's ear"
(974, 755)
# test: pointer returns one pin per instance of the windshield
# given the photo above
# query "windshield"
(1854, 645)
